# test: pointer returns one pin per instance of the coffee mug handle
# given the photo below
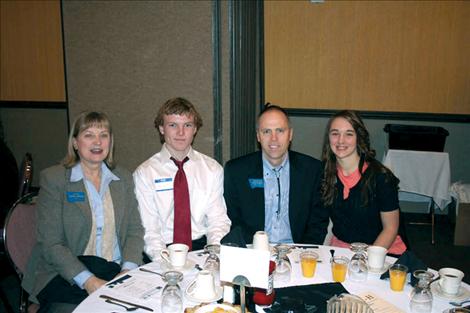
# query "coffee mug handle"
(165, 254)
(190, 290)
(440, 281)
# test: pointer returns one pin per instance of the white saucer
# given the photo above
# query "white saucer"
(187, 267)
(379, 270)
(218, 294)
(461, 295)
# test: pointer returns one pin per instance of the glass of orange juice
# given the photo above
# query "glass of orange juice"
(308, 261)
(397, 274)
(339, 267)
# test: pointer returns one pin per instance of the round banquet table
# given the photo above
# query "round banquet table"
(144, 288)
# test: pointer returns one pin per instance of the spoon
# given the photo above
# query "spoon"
(459, 303)
(149, 271)
(128, 309)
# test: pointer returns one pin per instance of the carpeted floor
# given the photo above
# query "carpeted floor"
(442, 254)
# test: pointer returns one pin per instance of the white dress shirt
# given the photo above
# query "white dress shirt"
(154, 190)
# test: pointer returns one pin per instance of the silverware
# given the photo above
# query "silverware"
(459, 303)
(126, 303)
(305, 247)
(128, 309)
(143, 269)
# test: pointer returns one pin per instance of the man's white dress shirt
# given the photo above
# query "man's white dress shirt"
(154, 190)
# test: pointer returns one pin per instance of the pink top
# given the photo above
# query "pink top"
(351, 180)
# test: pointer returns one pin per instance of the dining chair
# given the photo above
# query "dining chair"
(19, 236)
(26, 175)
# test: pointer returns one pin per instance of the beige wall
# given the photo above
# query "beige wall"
(127, 57)
(402, 56)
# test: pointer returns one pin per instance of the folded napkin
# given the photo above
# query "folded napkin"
(308, 299)
(235, 238)
(410, 260)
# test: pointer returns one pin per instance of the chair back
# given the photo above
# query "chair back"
(19, 232)
(26, 175)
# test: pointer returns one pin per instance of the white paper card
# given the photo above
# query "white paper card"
(379, 305)
(251, 263)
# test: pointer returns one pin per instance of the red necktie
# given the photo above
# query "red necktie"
(182, 212)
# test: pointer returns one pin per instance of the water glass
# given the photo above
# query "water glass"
(212, 262)
(357, 268)
(283, 270)
(421, 296)
(172, 298)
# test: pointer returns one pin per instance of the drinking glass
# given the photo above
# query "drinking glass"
(421, 296)
(283, 270)
(339, 266)
(357, 268)
(212, 262)
(172, 298)
(397, 273)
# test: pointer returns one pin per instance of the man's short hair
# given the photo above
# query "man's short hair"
(179, 106)
(272, 107)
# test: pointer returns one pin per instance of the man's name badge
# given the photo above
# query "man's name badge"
(256, 183)
(163, 184)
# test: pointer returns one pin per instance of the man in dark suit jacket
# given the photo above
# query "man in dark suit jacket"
(276, 190)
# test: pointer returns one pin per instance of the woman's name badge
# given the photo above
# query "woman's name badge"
(75, 196)
(163, 184)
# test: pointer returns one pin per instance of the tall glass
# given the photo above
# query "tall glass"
(212, 262)
(172, 298)
(283, 270)
(357, 268)
(421, 296)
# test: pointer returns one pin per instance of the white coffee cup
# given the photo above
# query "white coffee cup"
(203, 287)
(376, 257)
(261, 241)
(450, 280)
(175, 254)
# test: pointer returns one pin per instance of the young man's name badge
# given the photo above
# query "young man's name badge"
(163, 184)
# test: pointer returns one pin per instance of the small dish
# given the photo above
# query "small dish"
(190, 294)
(380, 270)
(460, 296)
(209, 308)
(190, 264)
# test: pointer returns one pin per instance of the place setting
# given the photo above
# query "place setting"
(175, 257)
(449, 285)
(376, 260)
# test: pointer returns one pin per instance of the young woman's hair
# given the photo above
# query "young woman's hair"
(366, 154)
(81, 123)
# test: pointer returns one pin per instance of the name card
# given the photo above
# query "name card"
(250, 263)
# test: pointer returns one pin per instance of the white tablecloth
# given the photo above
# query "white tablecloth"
(322, 275)
(422, 173)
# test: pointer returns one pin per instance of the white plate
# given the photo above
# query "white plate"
(211, 307)
(190, 289)
(187, 267)
(461, 295)
(381, 270)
